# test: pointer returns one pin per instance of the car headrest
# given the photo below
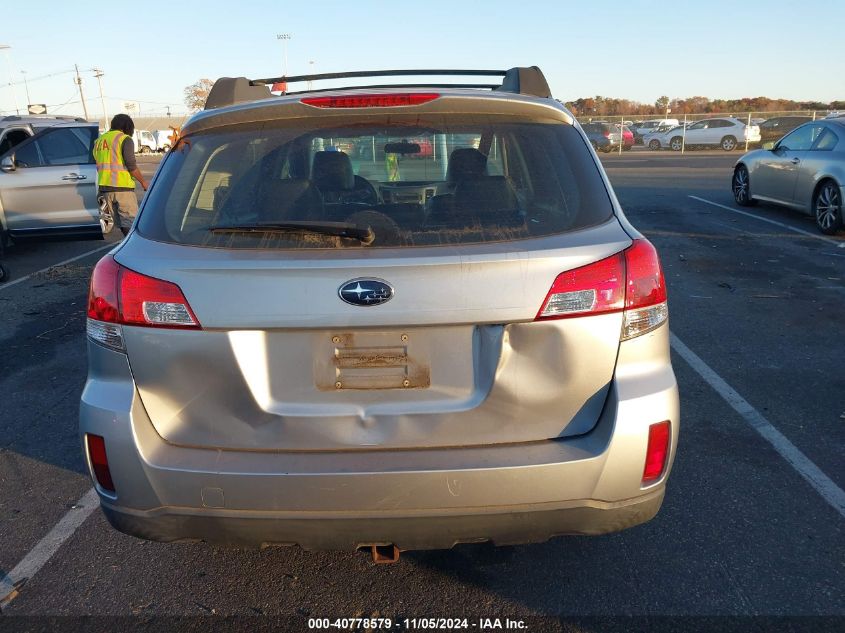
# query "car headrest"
(485, 194)
(289, 199)
(332, 171)
(466, 162)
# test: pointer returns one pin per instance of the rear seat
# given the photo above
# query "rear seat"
(475, 195)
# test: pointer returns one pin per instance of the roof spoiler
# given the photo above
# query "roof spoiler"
(522, 80)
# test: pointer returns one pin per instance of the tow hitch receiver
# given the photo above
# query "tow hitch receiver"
(384, 554)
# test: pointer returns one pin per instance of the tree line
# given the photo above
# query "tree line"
(197, 93)
(608, 106)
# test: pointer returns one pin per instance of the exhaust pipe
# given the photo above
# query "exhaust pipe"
(385, 554)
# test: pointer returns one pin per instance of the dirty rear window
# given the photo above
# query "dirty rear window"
(383, 182)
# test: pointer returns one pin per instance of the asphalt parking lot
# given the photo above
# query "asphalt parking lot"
(754, 519)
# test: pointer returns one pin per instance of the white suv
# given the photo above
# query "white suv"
(727, 133)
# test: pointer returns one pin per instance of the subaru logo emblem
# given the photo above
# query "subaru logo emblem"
(365, 292)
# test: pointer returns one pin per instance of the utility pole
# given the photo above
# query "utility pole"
(99, 75)
(26, 86)
(310, 71)
(284, 37)
(6, 47)
(81, 96)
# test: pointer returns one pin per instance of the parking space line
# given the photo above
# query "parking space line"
(47, 546)
(836, 243)
(825, 486)
(62, 263)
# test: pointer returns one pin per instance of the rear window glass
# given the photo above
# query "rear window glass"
(382, 182)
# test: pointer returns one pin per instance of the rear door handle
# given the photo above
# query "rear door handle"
(74, 176)
(795, 161)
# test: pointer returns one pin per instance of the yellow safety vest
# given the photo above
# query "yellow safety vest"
(391, 162)
(108, 154)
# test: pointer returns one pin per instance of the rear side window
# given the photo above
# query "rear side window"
(404, 181)
(826, 141)
(801, 139)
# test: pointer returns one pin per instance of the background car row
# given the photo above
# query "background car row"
(660, 133)
(727, 133)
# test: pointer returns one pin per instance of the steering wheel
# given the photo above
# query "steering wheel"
(386, 229)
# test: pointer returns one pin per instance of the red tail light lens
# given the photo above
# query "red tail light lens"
(631, 280)
(372, 100)
(657, 451)
(645, 291)
(99, 461)
(102, 295)
(119, 295)
(645, 283)
(592, 289)
(153, 302)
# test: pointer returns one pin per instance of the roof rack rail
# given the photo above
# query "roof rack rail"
(521, 80)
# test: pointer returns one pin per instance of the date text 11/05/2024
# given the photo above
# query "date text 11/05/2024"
(448, 624)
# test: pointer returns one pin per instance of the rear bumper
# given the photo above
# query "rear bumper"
(333, 531)
(413, 498)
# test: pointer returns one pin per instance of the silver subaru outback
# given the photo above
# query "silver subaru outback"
(402, 317)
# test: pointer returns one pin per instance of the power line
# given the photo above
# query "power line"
(55, 108)
(40, 77)
(164, 103)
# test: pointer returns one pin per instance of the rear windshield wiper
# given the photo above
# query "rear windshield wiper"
(339, 229)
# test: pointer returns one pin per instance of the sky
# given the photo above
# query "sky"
(634, 49)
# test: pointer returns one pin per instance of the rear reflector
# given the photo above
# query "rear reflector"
(372, 100)
(656, 452)
(119, 296)
(99, 461)
(631, 281)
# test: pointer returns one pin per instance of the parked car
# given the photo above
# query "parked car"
(727, 133)
(641, 128)
(278, 356)
(48, 184)
(627, 138)
(776, 128)
(661, 137)
(603, 136)
(805, 170)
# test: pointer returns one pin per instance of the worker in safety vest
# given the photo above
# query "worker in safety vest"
(391, 163)
(114, 153)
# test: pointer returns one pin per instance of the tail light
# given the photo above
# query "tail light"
(631, 281)
(645, 290)
(387, 100)
(99, 461)
(119, 296)
(606, 134)
(656, 451)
